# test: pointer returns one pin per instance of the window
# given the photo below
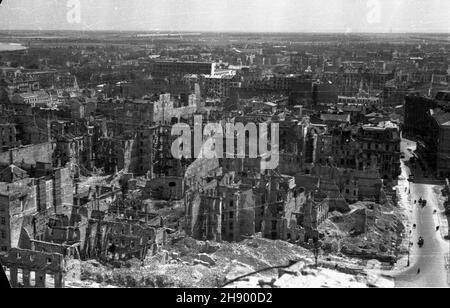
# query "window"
(3, 221)
(231, 215)
(231, 203)
(3, 234)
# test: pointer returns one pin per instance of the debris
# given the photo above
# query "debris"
(206, 258)
(196, 262)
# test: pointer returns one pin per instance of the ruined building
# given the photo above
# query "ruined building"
(368, 147)
(28, 203)
(221, 212)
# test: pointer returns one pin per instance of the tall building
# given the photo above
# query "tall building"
(416, 108)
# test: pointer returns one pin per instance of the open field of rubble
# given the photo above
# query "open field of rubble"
(368, 231)
(193, 263)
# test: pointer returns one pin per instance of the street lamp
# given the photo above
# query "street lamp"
(409, 246)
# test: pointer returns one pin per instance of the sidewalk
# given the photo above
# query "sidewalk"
(441, 218)
(404, 202)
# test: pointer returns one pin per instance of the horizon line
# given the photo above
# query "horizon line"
(222, 31)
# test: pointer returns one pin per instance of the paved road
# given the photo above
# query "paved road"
(431, 258)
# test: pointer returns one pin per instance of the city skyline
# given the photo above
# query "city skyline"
(284, 16)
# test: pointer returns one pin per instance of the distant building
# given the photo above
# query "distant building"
(367, 101)
(331, 119)
(219, 85)
(165, 68)
(34, 99)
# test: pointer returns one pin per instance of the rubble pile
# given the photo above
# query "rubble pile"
(368, 232)
(192, 263)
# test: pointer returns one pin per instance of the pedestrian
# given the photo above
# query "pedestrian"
(437, 228)
(418, 271)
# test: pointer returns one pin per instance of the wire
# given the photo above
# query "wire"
(291, 263)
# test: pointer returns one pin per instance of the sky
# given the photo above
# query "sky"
(336, 16)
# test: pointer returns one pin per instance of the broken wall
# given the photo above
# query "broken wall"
(116, 241)
(41, 263)
(246, 216)
(48, 247)
(21, 207)
(63, 189)
(28, 155)
(165, 188)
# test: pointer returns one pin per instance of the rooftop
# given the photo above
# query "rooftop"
(381, 126)
(335, 117)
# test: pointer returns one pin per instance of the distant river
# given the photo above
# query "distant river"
(11, 47)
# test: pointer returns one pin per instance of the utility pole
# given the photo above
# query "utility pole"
(315, 246)
(316, 254)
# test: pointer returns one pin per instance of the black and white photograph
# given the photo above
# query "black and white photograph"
(230, 146)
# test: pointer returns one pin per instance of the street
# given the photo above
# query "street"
(431, 258)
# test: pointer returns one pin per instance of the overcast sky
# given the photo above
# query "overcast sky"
(228, 15)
